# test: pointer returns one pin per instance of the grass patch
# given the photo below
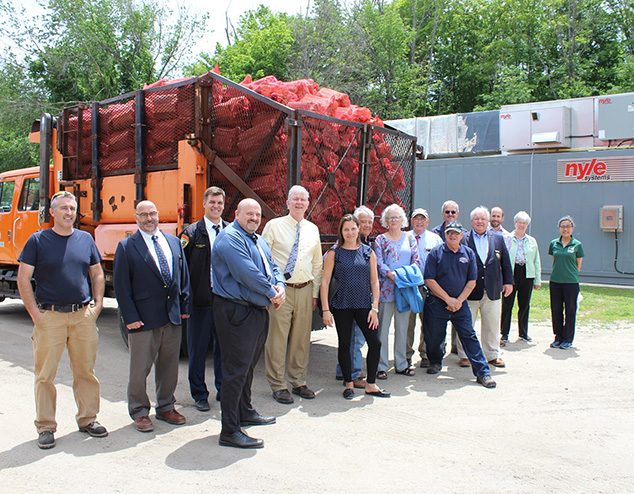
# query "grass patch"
(605, 305)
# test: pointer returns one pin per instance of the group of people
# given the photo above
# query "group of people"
(246, 294)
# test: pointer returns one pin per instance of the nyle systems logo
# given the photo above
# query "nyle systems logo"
(588, 171)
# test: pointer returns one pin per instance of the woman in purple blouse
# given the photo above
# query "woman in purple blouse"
(393, 249)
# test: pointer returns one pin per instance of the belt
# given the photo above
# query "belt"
(242, 302)
(520, 264)
(298, 285)
(62, 308)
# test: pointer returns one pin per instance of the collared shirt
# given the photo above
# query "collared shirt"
(520, 256)
(426, 242)
(451, 270)
(481, 243)
(280, 233)
(505, 235)
(162, 241)
(565, 260)
(211, 231)
(239, 272)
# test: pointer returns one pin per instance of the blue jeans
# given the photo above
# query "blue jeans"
(436, 317)
(356, 356)
(201, 331)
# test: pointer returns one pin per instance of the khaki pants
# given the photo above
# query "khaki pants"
(288, 343)
(53, 332)
(489, 326)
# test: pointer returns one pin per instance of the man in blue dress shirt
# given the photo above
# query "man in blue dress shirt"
(246, 281)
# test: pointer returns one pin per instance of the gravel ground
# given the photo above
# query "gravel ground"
(559, 421)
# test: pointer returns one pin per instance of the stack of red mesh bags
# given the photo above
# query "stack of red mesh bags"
(329, 150)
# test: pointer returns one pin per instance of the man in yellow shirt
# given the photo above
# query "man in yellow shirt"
(296, 249)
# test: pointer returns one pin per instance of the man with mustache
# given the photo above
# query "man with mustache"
(151, 283)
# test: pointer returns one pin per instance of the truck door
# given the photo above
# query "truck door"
(7, 250)
(26, 217)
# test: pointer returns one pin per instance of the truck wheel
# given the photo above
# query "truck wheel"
(122, 328)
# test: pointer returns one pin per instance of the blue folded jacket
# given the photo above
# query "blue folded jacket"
(407, 279)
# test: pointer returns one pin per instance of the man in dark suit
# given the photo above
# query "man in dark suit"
(197, 241)
(151, 282)
(246, 282)
(495, 275)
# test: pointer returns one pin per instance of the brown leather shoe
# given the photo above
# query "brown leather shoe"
(283, 396)
(171, 417)
(464, 362)
(359, 383)
(304, 392)
(497, 362)
(143, 424)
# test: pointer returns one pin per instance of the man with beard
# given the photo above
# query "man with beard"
(151, 283)
(246, 281)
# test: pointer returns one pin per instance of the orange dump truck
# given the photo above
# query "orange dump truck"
(170, 141)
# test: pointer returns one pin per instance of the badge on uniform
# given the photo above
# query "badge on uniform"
(184, 240)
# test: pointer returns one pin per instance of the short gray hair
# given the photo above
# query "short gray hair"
(297, 189)
(59, 195)
(397, 208)
(566, 218)
(480, 209)
(448, 203)
(363, 210)
(522, 217)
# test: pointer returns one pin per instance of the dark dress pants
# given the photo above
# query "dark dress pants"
(343, 322)
(523, 286)
(201, 331)
(563, 297)
(436, 317)
(241, 333)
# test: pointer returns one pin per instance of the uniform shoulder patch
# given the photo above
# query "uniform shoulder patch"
(184, 240)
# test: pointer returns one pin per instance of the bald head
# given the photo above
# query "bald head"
(249, 215)
(147, 217)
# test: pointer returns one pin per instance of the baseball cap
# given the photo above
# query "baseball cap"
(453, 226)
(420, 211)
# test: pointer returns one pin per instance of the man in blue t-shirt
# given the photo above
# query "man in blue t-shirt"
(450, 275)
(62, 260)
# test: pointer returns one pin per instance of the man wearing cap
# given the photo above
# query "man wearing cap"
(426, 241)
(450, 275)
(296, 248)
(495, 275)
(450, 211)
(63, 260)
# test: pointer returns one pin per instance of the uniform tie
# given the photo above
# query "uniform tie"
(163, 266)
(217, 229)
(292, 257)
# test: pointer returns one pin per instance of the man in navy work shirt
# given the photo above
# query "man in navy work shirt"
(63, 259)
(450, 275)
(246, 281)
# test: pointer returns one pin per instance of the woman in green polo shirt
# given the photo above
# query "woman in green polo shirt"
(567, 254)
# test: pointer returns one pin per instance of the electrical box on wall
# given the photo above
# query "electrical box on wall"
(611, 218)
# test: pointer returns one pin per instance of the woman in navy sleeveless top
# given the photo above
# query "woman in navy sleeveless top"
(353, 265)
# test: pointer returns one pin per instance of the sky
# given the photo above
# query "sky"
(216, 9)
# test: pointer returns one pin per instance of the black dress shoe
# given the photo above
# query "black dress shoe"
(239, 439)
(257, 419)
(203, 405)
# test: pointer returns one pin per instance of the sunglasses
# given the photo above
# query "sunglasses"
(451, 212)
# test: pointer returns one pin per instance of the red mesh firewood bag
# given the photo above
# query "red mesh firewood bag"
(232, 113)
(225, 140)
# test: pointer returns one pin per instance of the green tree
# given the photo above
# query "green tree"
(261, 46)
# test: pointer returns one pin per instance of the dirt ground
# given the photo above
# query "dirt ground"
(559, 421)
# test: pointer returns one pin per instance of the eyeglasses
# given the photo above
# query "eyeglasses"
(565, 227)
(394, 218)
(152, 214)
(452, 233)
(451, 212)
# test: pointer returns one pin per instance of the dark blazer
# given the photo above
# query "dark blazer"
(497, 270)
(197, 248)
(139, 288)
